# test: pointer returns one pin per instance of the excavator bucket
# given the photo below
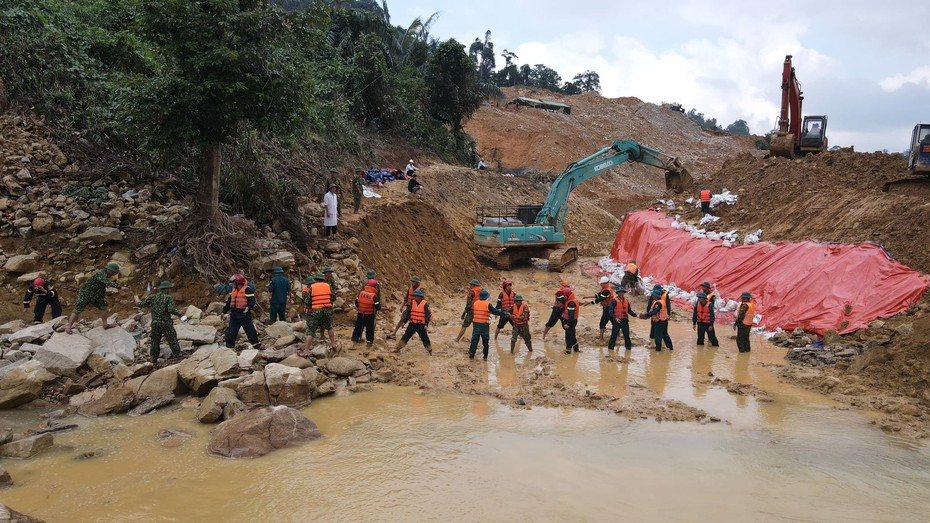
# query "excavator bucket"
(782, 146)
(678, 181)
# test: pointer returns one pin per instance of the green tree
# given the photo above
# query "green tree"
(452, 87)
(544, 78)
(371, 80)
(229, 66)
(571, 88)
(482, 52)
(739, 128)
(587, 81)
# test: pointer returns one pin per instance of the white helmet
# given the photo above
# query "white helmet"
(604, 279)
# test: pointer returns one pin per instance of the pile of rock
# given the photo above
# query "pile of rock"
(795, 338)
(826, 355)
(835, 349)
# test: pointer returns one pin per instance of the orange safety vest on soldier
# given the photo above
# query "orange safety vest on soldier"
(507, 300)
(518, 313)
(321, 295)
(630, 268)
(366, 300)
(238, 299)
(610, 294)
(703, 312)
(750, 313)
(621, 309)
(480, 311)
(571, 304)
(410, 292)
(705, 196)
(662, 315)
(418, 313)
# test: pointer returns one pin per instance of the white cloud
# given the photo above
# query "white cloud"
(919, 76)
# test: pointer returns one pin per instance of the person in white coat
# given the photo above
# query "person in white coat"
(410, 169)
(330, 211)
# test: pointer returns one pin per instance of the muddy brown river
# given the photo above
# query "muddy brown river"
(396, 454)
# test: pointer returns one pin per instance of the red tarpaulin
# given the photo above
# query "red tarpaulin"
(815, 286)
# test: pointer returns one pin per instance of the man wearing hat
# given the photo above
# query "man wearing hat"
(703, 320)
(238, 310)
(414, 185)
(520, 316)
(371, 274)
(619, 312)
(279, 287)
(481, 329)
(162, 305)
(46, 295)
(505, 302)
(557, 306)
(319, 306)
(603, 297)
(330, 210)
(405, 307)
(711, 297)
(94, 292)
(745, 317)
(660, 314)
(665, 298)
(471, 295)
(410, 169)
(367, 306)
(420, 316)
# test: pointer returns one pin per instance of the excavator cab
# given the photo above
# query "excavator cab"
(918, 159)
(814, 134)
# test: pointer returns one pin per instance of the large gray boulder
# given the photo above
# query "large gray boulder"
(198, 334)
(286, 385)
(116, 400)
(23, 384)
(113, 342)
(221, 403)
(64, 353)
(206, 367)
(344, 366)
(26, 447)
(12, 326)
(22, 263)
(279, 329)
(101, 235)
(160, 383)
(31, 333)
(251, 389)
(258, 432)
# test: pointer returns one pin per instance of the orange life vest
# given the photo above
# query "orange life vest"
(321, 295)
(418, 313)
(571, 303)
(480, 311)
(238, 299)
(507, 300)
(475, 292)
(630, 268)
(703, 312)
(366, 300)
(705, 196)
(610, 294)
(710, 297)
(410, 292)
(750, 313)
(518, 310)
(621, 309)
(662, 315)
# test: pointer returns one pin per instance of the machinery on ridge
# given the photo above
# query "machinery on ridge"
(918, 158)
(795, 137)
(536, 231)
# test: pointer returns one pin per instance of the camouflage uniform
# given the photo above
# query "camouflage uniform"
(357, 192)
(318, 319)
(94, 291)
(162, 305)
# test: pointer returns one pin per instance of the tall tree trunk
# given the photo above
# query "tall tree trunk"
(207, 202)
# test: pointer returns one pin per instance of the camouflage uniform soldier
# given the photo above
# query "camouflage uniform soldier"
(357, 190)
(94, 292)
(162, 305)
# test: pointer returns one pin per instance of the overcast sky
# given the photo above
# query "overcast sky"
(865, 64)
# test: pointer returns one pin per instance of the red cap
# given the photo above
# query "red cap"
(38, 282)
(238, 278)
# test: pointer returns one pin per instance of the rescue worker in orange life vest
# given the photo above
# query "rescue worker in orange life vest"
(619, 312)
(505, 302)
(521, 324)
(420, 316)
(711, 297)
(658, 311)
(570, 320)
(668, 305)
(238, 310)
(603, 297)
(703, 320)
(318, 303)
(481, 328)
(474, 289)
(630, 276)
(744, 319)
(405, 307)
(557, 306)
(705, 200)
(366, 305)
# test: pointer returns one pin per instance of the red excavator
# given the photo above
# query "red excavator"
(795, 138)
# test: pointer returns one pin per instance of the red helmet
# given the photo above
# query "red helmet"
(373, 282)
(506, 283)
(38, 282)
(238, 278)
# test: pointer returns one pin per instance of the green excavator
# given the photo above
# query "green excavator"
(536, 231)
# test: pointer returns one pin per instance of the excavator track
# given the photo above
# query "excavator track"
(560, 258)
(918, 186)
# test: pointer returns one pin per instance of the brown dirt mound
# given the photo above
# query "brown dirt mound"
(831, 197)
